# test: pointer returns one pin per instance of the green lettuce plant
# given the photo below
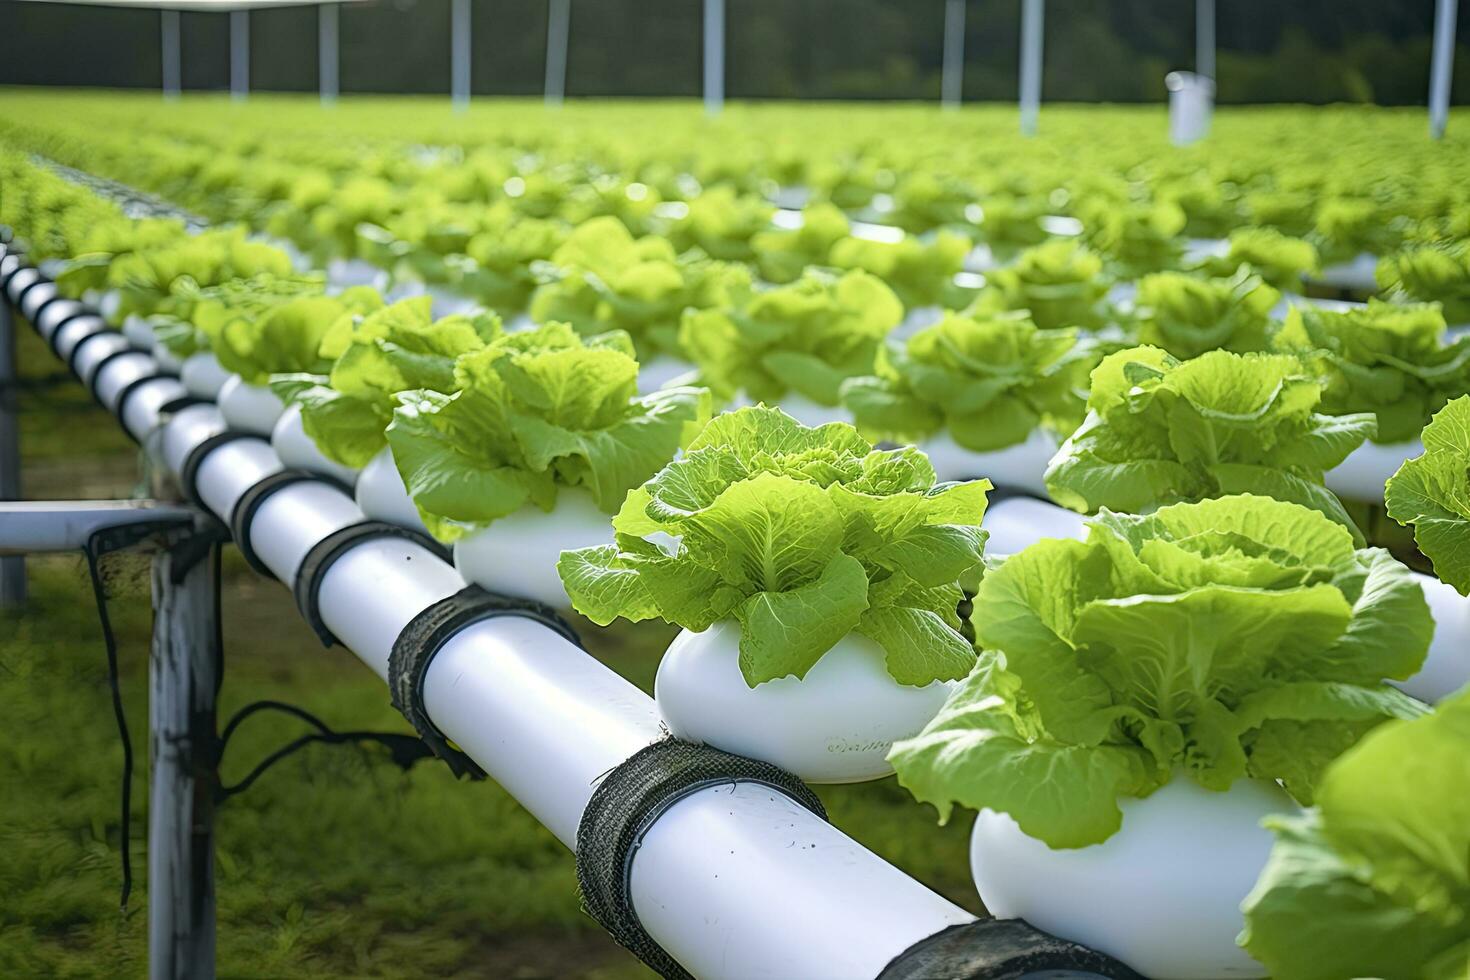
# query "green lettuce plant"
(808, 337)
(145, 280)
(1060, 283)
(1162, 431)
(1385, 358)
(783, 254)
(722, 224)
(802, 536)
(1241, 637)
(199, 315)
(497, 269)
(1432, 493)
(1436, 273)
(988, 379)
(1374, 881)
(1187, 315)
(1280, 260)
(921, 273)
(1135, 237)
(534, 412)
(286, 336)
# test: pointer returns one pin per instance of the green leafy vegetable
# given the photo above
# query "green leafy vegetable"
(800, 535)
(1432, 492)
(1214, 641)
(783, 254)
(1280, 260)
(1187, 315)
(1161, 431)
(920, 273)
(1375, 881)
(1060, 283)
(1436, 273)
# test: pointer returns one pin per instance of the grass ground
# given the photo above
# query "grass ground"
(335, 863)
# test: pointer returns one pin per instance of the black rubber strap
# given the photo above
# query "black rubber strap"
(324, 554)
(40, 278)
(71, 359)
(189, 472)
(251, 500)
(127, 392)
(97, 371)
(999, 949)
(175, 405)
(426, 634)
(623, 808)
(56, 299)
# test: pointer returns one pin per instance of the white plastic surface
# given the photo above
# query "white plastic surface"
(249, 408)
(835, 725)
(1358, 273)
(65, 340)
(1016, 523)
(517, 555)
(110, 304)
(1362, 475)
(1021, 466)
(230, 469)
(297, 449)
(119, 373)
(32, 300)
(741, 883)
(660, 371)
(140, 414)
(139, 332)
(446, 302)
(203, 376)
(342, 273)
(543, 719)
(18, 281)
(52, 315)
(293, 519)
(917, 319)
(1447, 668)
(382, 496)
(95, 352)
(187, 429)
(166, 359)
(1162, 894)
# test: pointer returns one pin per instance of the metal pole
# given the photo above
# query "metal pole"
(239, 54)
(173, 82)
(714, 56)
(13, 567)
(1441, 67)
(459, 54)
(1204, 38)
(954, 54)
(327, 51)
(1032, 16)
(558, 29)
(183, 681)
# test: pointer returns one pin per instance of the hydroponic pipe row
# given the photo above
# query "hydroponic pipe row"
(733, 881)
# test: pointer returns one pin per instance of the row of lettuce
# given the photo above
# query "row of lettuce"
(1240, 630)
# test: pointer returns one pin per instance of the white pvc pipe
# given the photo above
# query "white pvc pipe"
(170, 54)
(187, 429)
(93, 354)
(203, 375)
(239, 54)
(327, 47)
(230, 469)
(741, 882)
(459, 54)
(714, 56)
(73, 332)
(50, 317)
(119, 373)
(1032, 25)
(953, 71)
(296, 448)
(295, 517)
(1442, 66)
(558, 31)
(32, 300)
(20, 280)
(1019, 522)
(1204, 38)
(140, 414)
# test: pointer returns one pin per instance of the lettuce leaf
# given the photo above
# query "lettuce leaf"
(988, 379)
(1213, 641)
(1060, 284)
(1385, 358)
(1160, 431)
(1280, 260)
(1437, 273)
(783, 254)
(802, 536)
(1375, 881)
(1187, 315)
(807, 337)
(722, 224)
(1432, 493)
(1135, 237)
(920, 273)
(532, 412)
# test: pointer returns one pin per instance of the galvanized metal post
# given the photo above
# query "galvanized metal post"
(714, 56)
(1204, 38)
(952, 80)
(173, 78)
(1441, 66)
(1032, 18)
(239, 54)
(459, 54)
(12, 567)
(558, 31)
(327, 47)
(183, 682)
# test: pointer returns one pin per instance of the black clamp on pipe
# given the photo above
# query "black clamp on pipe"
(189, 471)
(251, 500)
(1001, 949)
(324, 554)
(423, 638)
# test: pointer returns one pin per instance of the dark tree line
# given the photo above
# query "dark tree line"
(1096, 50)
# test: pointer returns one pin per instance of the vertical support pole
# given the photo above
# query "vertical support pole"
(239, 54)
(173, 81)
(1441, 66)
(327, 47)
(1032, 25)
(12, 568)
(1204, 38)
(459, 54)
(714, 56)
(952, 79)
(183, 682)
(558, 30)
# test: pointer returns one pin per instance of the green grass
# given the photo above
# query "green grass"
(335, 863)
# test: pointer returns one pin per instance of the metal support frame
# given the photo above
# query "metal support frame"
(714, 56)
(239, 54)
(328, 72)
(558, 31)
(12, 567)
(1204, 38)
(952, 79)
(183, 687)
(1441, 66)
(1033, 13)
(170, 53)
(459, 54)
